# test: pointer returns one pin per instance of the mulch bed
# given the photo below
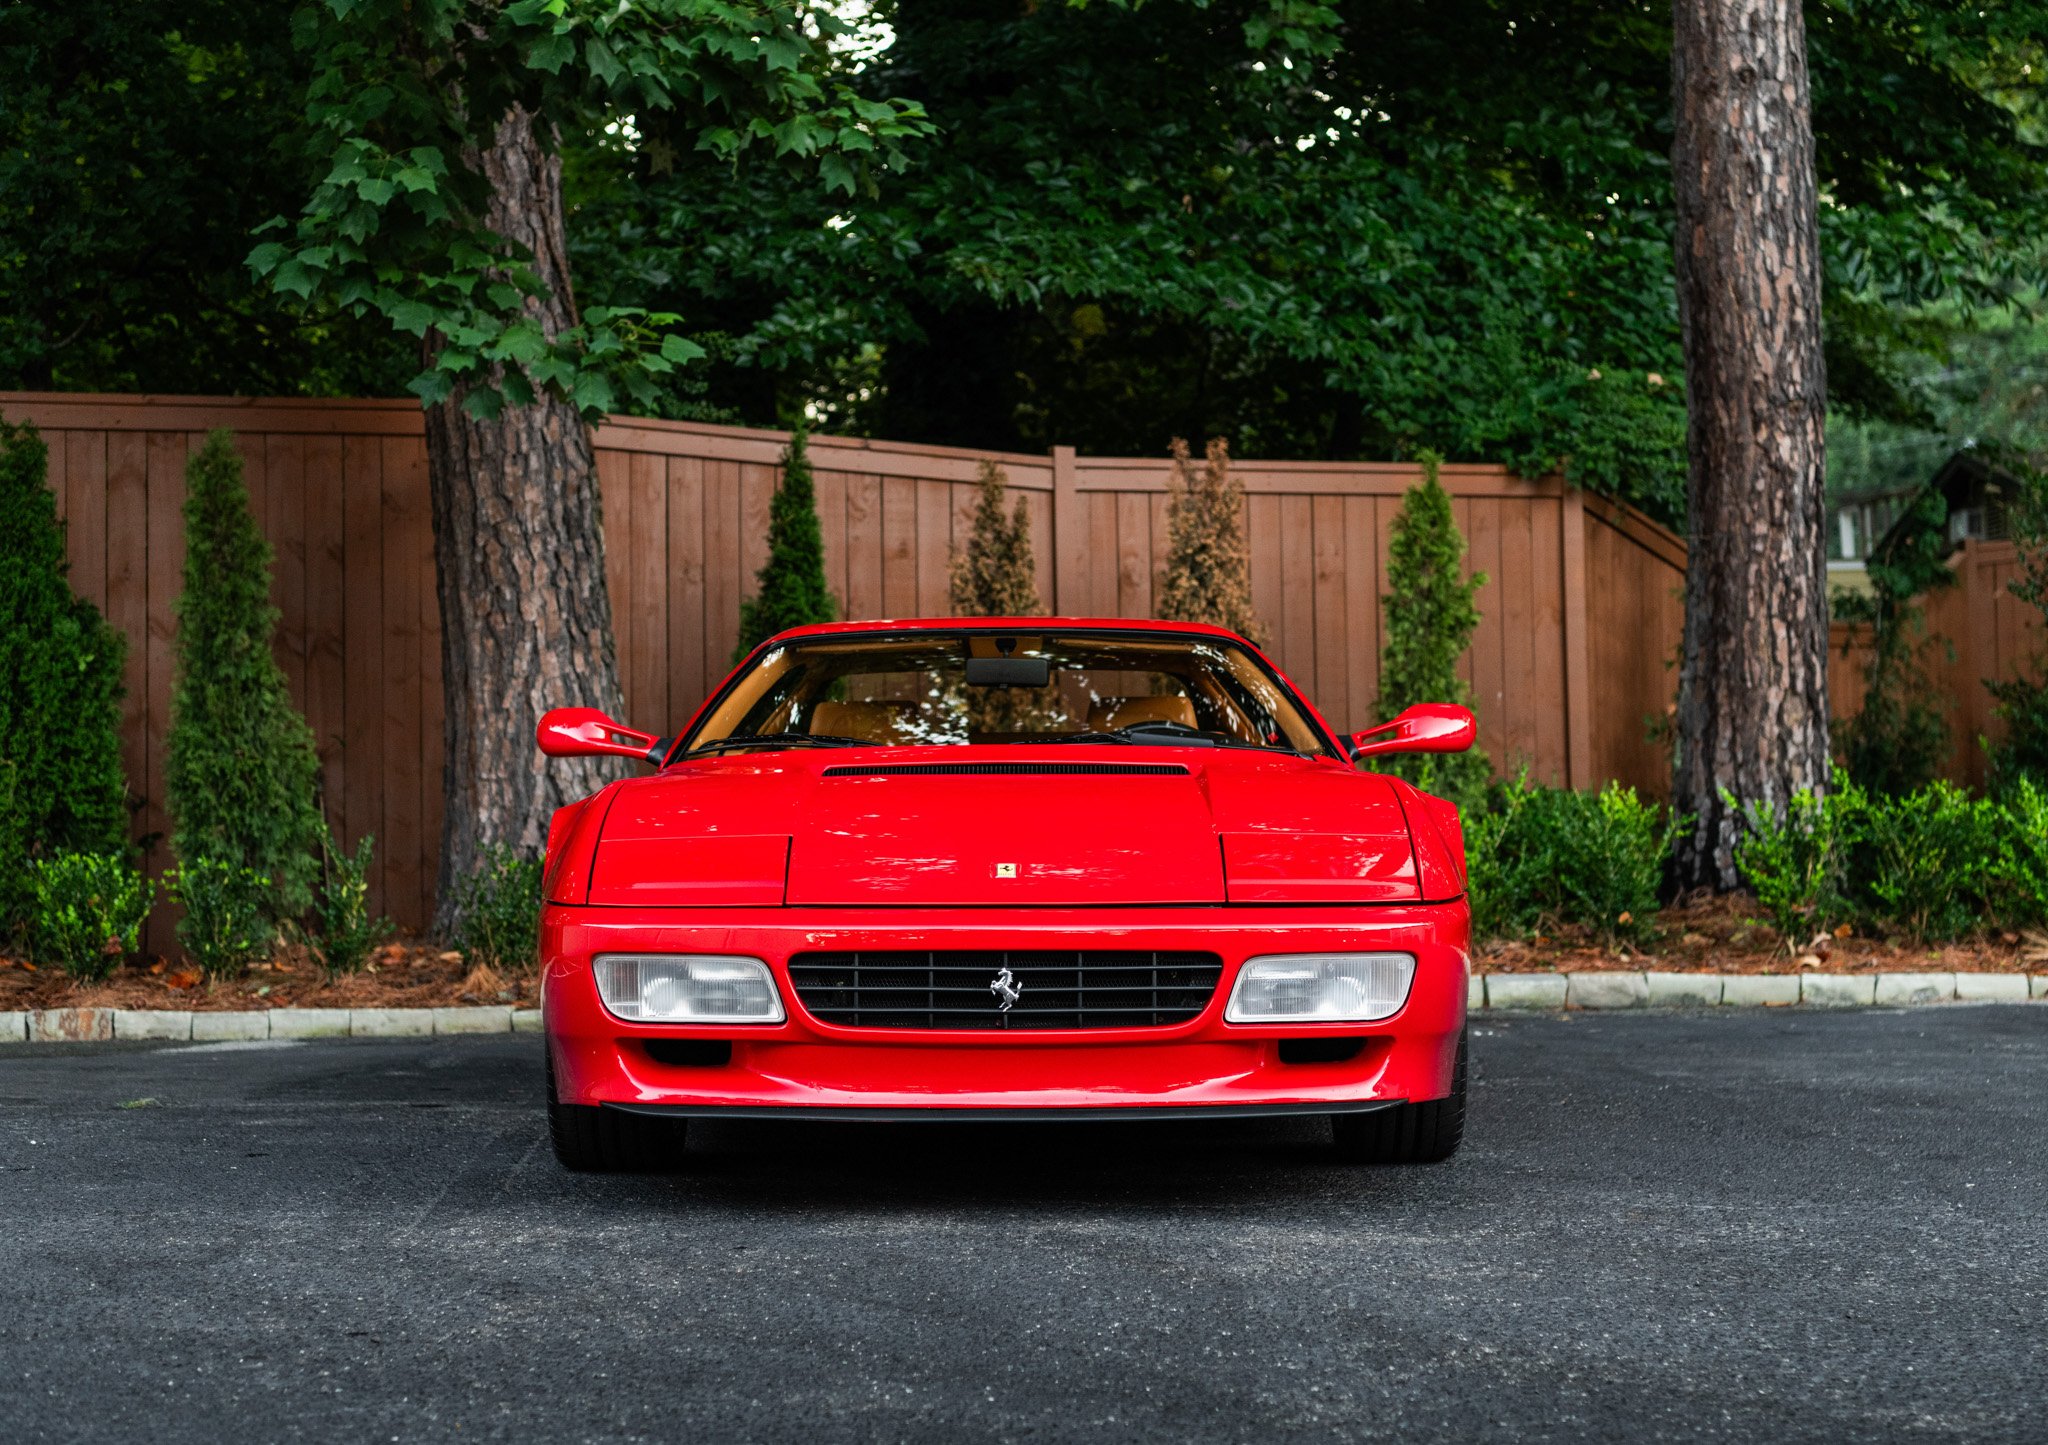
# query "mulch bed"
(1714, 935)
(1729, 935)
(402, 974)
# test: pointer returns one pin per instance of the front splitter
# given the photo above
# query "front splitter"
(1106, 1114)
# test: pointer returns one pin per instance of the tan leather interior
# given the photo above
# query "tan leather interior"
(1121, 712)
(876, 722)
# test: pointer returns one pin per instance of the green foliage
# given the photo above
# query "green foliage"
(995, 575)
(1795, 859)
(2023, 700)
(406, 93)
(790, 589)
(1430, 619)
(227, 923)
(240, 774)
(1923, 860)
(340, 925)
(1544, 856)
(89, 911)
(60, 689)
(1207, 576)
(500, 910)
(139, 144)
(2019, 866)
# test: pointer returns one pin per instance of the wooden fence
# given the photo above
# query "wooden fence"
(1571, 668)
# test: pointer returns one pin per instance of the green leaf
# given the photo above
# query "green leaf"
(483, 403)
(411, 316)
(592, 394)
(680, 349)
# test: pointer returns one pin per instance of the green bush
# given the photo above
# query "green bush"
(227, 923)
(2019, 866)
(790, 589)
(1538, 856)
(1795, 859)
(89, 910)
(500, 910)
(60, 690)
(240, 775)
(340, 926)
(2023, 700)
(1922, 862)
(1430, 619)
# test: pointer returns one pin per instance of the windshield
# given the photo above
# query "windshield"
(939, 688)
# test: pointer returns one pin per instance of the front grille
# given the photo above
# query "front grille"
(1056, 989)
(1006, 770)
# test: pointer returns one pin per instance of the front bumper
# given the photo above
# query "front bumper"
(804, 1066)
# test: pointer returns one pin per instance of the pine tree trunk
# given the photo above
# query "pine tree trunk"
(1753, 700)
(526, 621)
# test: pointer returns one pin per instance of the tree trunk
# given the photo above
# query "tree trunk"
(1752, 691)
(526, 621)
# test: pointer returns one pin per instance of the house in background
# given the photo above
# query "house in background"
(1868, 522)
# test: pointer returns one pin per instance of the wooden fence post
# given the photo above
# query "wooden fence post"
(1578, 703)
(1069, 540)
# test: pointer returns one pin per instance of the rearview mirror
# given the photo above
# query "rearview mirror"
(584, 732)
(1428, 727)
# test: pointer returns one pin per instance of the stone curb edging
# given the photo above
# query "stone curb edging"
(1620, 990)
(1600, 990)
(92, 1025)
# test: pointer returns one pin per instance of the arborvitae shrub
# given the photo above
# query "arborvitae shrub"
(1430, 618)
(790, 587)
(996, 576)
(60, 690)
(241, 776)
(1207, 577)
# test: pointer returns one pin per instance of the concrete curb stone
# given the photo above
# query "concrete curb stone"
(2039, 984)
(390, 1023)
(152, 1023)
(70, 1025)
(1909, 988)
(1991, 987)
(13, 1028)
(526, 1021)
(309, 1023)
(1606, 990)
(1525, 990)
(1683, 990)
(1837, 990)
(1760, 988)
(489, 1019)
(213, 1027)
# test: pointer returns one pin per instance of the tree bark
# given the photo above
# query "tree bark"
(1752, 692)
(526, 620)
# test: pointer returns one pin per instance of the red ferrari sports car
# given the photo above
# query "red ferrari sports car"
(1029, 868)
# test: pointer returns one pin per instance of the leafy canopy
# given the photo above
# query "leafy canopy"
(406, 94)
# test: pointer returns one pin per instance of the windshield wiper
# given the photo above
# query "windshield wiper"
(779, 740)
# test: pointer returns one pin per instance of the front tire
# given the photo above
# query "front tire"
(592, 1140)
(1424, 1133)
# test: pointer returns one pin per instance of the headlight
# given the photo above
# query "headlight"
(688, 988)
(1313, 987)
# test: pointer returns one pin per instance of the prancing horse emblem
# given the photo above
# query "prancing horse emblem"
(1006, 989)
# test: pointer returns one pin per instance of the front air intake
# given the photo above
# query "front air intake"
(1007, 770)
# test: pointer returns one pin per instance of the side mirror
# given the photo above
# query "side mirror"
(1428, 727)
(584, 732)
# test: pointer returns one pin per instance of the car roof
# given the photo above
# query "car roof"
(1007, 624)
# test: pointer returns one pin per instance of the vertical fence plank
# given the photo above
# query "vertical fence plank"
(647, 695)
(689, 669)
(165, 463)
(1333, 666)
(284, 467)
(362, 467)
(325, 600)
(85, 523)
(934, 548)
(1361, 616)
(863, 547)
(404, 523)
(899, 547)
(1297, 631)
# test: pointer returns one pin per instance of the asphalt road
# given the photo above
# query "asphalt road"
(1737, 1226)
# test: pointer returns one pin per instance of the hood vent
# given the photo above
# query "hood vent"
(1006, 770)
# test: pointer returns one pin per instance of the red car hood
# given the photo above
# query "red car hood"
(954, 826)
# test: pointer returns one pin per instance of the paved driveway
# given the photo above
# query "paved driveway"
(1745, 1226)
